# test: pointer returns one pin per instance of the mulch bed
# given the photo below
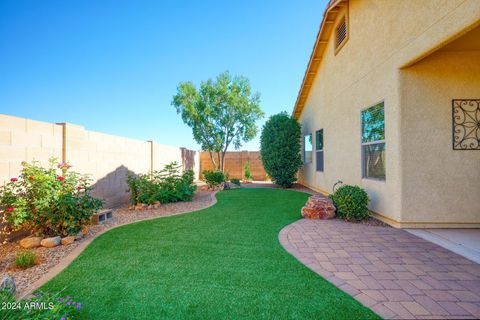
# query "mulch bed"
(51, 257)
(371, 221)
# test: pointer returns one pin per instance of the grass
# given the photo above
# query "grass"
(25, 259)
(223, 262)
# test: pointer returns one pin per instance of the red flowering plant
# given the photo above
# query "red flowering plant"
(48, 201)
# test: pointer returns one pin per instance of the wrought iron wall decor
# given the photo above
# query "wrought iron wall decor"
(466, 124)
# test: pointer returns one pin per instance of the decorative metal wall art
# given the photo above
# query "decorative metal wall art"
(466, 124)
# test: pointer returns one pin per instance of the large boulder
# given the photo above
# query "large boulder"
(231, 185)
(30, 242)
(51, 242)
(79, 236)
(8, 284)
(67, 240)
(318, 206)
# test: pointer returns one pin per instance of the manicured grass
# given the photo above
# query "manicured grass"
(224, 262)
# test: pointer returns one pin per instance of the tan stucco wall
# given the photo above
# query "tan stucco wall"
(107, 158)
(439, 184)
(384, 35)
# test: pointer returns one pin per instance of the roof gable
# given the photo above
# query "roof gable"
(323, 36)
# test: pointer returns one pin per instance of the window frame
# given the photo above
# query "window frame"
(376, 142)
(317, 151)
(305, 149)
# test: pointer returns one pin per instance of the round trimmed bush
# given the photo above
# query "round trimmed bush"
(280, 149)
(351, 202)
(213, 178)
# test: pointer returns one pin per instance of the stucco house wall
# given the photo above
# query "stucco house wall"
(440, 185)
(385, 39)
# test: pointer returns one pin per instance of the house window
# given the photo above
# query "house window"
(373, 142)
(307, 148)
(319, 149)
(341, 33)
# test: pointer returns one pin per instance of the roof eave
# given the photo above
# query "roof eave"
(321, 42)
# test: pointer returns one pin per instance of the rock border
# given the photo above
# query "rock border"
(72, 255)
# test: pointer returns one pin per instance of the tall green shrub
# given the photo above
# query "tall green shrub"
(280, 149)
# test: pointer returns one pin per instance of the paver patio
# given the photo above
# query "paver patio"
(391, 271)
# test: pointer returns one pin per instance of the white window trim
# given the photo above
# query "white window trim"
(318, 151)
(305, 150)
(362, 144)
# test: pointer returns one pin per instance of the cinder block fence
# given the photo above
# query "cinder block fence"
(107, 158)
(235, 163)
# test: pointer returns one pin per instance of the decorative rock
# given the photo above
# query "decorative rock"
(79, 236)
(30, 242)
(204, 188)
(141, 206)
(229, 185)
(318, 206)
(8, 283)
(233, 186)
(51, 242)
(67, 240)
(85, 230)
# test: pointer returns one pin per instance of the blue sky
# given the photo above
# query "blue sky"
(113, 66)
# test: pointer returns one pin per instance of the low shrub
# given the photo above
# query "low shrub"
(25, 259)
(165, 186)
(213, 178)
(351, 202)
(235, 181)
(42, 305)
(48, 201)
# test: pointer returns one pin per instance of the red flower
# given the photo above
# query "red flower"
(14, 179)
(30, 178)
(79, 188)
(60, 178)
(10, 209)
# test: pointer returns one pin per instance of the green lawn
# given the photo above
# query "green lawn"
(224, 262)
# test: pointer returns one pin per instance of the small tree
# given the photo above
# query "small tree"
(280, 149)
(220, 113)
(248, 173)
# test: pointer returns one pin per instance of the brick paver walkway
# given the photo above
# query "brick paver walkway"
(391, 271)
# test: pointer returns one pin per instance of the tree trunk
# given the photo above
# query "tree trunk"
(213, 159)
(219, 167)
(222, 162)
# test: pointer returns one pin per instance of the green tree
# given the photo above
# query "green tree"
(221, 112)
(280, 148)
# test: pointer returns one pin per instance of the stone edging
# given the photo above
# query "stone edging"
(65, 262)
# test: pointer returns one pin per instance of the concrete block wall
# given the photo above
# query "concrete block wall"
(107, 158)
(26, 140)
(235, 162)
